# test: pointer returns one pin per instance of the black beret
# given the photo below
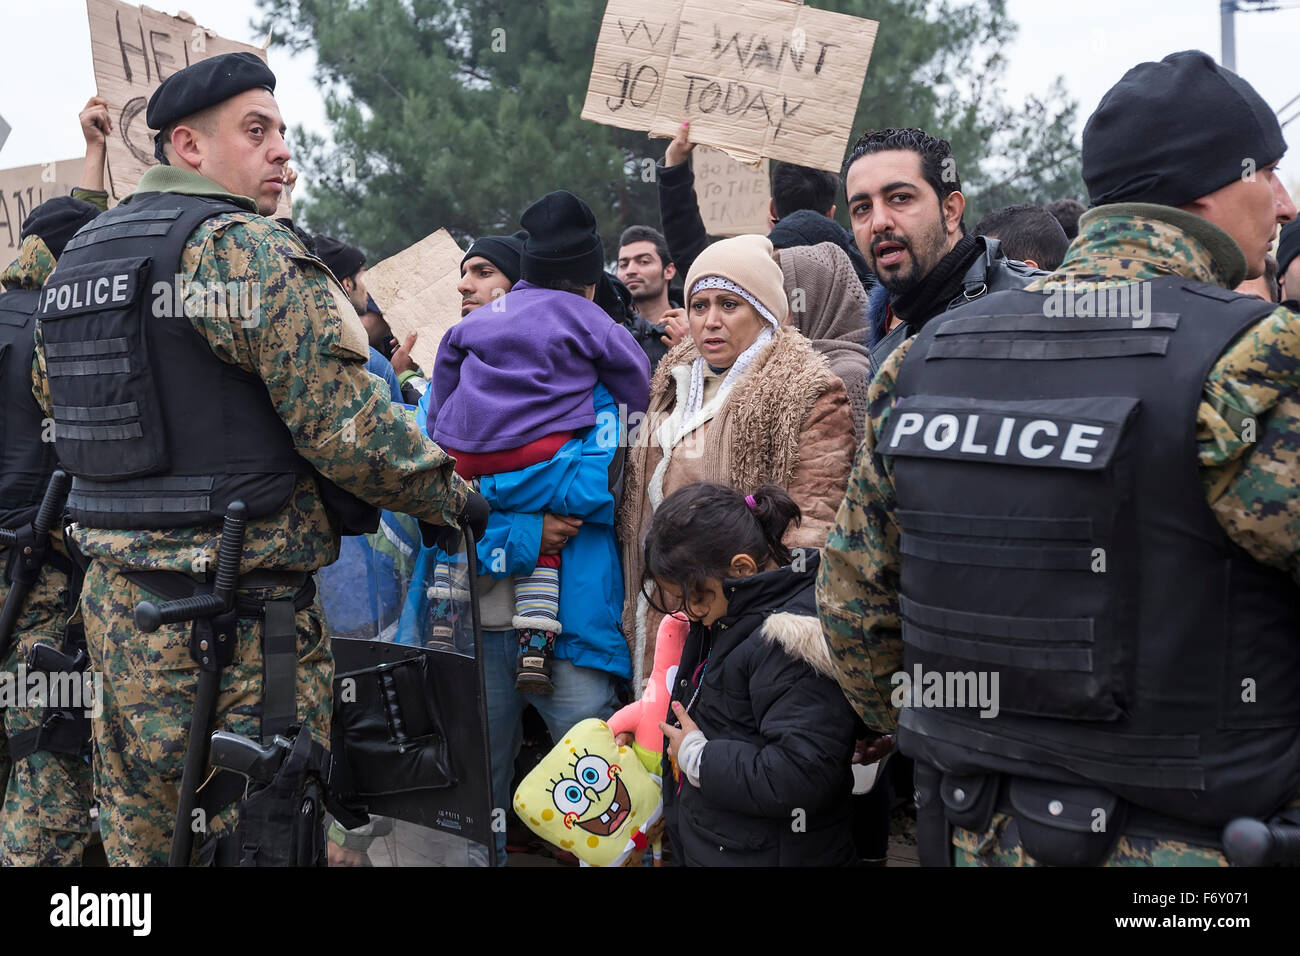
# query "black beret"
(57, 220)
(343, 260)
(204, 84)
(1174, 131)
(504, 252)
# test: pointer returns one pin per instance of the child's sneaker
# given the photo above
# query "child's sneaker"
(447, 595)
(533, 667)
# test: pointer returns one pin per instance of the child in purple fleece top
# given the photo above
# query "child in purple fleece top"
(513, 381)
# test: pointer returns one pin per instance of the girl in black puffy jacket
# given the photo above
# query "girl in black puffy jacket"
(759, 736)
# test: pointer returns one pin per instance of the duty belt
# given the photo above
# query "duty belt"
(279, 632)
(1058, 823)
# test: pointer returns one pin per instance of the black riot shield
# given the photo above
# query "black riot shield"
(410, 720)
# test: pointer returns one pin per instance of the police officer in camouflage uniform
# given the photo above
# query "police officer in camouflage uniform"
(194, 353)
(1088, 491)
(45, 819)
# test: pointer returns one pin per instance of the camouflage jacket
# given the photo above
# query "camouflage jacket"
(1248, 435)
(311, 353)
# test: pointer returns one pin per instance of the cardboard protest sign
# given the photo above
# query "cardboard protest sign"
(22, 189)
(755, 77)
(734, 198)
(416, 289)
(134, 49)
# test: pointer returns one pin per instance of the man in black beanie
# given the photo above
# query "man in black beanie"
(348, 263)
(1095, 480)
(489, 270)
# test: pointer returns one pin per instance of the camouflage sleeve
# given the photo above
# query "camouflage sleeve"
(857, 585)
(1248, 434)
(294, 336)
(40, 382)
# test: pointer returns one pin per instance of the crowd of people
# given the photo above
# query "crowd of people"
(774, 441)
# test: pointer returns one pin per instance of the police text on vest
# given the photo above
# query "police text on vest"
(982, 436)
(90, 292)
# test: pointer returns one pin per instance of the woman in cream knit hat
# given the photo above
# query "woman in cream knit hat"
(744, 401)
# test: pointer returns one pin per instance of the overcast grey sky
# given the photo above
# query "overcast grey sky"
(46, 77)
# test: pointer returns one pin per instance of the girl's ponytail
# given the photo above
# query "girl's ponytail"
(774, 509)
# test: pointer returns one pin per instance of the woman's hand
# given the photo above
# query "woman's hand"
(679, 150)
(556, 532)
(676, 326)
(675, 734)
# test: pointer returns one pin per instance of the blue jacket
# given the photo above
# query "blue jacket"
(362, 592)
(382, 368)
(575, 481)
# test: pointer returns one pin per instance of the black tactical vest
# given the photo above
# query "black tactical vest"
(1055, 532)
(156, 430)
(25, 459)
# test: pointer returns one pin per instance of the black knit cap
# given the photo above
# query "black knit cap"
(57, 220)
(343, 260)
(1174, 131)
(201, 85)
(1288, 244)
(562, 240)
(504, 252)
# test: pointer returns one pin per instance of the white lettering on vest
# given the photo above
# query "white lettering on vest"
(948, 423)
(49, 296)
(101, 290)
(65, 294)
(1080, 436)
(76, 299)
(968, 440)
(1034, 428)
(1004, 436)
(909, 423)
(119, 287)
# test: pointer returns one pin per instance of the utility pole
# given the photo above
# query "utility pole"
(1227, 27)
(1227, 35)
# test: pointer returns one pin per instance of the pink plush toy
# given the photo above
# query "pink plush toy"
(643, 716)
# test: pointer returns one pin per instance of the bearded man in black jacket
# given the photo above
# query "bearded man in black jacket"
(906, 205)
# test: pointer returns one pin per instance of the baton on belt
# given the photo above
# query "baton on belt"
(212, 645)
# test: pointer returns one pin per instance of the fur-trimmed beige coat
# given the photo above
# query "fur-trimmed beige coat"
(787, 421)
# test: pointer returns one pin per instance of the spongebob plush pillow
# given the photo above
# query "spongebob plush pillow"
(591, 797)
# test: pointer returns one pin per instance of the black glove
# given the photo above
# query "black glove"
(473, 516)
